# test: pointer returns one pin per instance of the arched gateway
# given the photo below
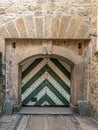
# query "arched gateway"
(41, 72)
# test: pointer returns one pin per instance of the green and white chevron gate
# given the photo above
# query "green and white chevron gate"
(45, 82)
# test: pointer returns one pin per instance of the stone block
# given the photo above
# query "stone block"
(84, 108)
(21, 27)
(64, 25)
(41, 1)
(8, 107)
(55, 27)
(47, 26)
(73, 28)
(3, 33)
(2, 11)
(39, 27)
(12, 30)
(83, 32)
(29, 21)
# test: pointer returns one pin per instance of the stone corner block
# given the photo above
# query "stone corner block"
(84, 108)
(8, 107)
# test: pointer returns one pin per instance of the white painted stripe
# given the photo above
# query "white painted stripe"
(33, 72)
(54, 97)
(33, 86)
(58, 72)
(26, 63)
(38, 96)
(45, 103)
(65, 65)
(41, 94)
(58, 87)
(39, 81)
(30, 103)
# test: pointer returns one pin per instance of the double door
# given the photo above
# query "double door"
(46, 82)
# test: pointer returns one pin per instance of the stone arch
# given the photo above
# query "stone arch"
(44, 27)
(37, 50)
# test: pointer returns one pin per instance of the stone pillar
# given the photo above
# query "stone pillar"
(76, 84)
(12, 82)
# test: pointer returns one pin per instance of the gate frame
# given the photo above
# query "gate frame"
(13, 69)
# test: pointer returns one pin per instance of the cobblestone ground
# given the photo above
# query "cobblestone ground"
(47, 122)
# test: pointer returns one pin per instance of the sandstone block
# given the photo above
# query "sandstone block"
(41, 1)
(16, 8)
(38, 7)
(50, 7)
(74, 26)
(47, 26)
(83, 32)
(55, 27)
(21, 27)
(29, 21)
(2, 11)
(3, 33)
(39, 27)
(12, 30)
(64, 25)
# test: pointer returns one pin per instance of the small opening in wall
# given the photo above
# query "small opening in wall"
(79, 48)
(79, 45)
(14, 45)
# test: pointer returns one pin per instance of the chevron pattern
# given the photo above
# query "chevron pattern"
(45, 82)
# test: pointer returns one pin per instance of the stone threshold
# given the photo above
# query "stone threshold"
(46, 110)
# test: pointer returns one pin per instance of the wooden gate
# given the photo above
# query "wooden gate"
(45, 82)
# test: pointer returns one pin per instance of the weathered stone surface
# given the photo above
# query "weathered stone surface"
(37, 23)
(55, 27)
(41, 1)
(73, 28)
(21, 27)
(47, 26)
(3, 33)
(64, 26)
(16, 8)
(8, 107)
(2, 11)
(84, 108)
(39, 27)
(12, 30)
(83, 32)
(30, 27)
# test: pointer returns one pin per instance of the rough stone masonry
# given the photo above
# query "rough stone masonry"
(55, 19)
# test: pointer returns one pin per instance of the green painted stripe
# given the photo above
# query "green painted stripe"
(61, 67)
(34, 93)
(45, 98)
(52, 73)
(31, 67)
(57, 93)
(40, 87)
(33, 79)
(58, 79)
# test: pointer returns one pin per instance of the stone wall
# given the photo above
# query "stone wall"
(56, 19)
(93, 80)
(44, 19)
